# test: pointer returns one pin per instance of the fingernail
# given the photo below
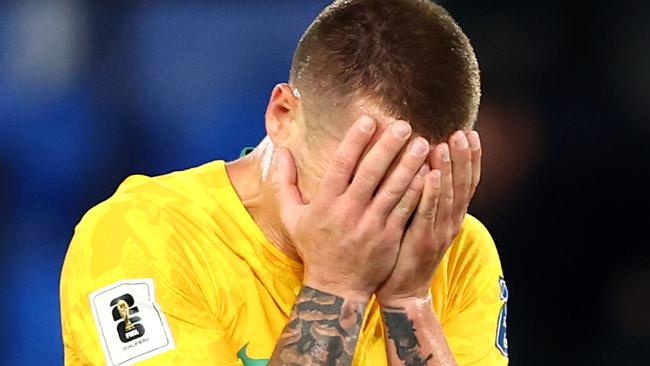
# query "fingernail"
(474, 140)
(367, 124)
(460, 141)
(424, 170)
(401, 129)
(444, 152)
(419, 147)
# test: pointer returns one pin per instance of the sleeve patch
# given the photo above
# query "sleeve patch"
(502, 340)
(130, 324)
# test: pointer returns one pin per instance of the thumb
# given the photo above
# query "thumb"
(284, 179)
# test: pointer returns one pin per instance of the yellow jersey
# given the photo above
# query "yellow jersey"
(172, 270)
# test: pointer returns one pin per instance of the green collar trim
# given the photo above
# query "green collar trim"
(249, 361)
(245, 151)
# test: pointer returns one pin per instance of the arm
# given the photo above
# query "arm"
(323, 329)
(414, 334)
(348, 238)
(120, 259)
(413, 331)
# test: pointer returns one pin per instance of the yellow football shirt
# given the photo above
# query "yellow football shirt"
(172, 270)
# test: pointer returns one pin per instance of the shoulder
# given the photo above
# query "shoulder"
(148, 229)
(127, 236)
(153, 233)
(474, 243)
(155, 219)
(140, 209)
(141, 203)
(472, 262)
(473, 229)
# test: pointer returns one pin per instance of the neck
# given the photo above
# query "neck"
(250, 178)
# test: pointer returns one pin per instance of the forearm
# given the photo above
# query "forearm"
(323, 329)
(414, 335)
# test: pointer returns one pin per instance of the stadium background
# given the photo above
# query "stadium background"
(91, 92)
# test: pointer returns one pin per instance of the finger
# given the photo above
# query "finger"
(442, 162)
(425, 216)
(338, 174)
(283, 181)
(461, 158)
(404, 209)
(375, 164)
(395, 185)
(475, 146)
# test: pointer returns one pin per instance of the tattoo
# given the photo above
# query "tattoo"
(323, 329)
(401, 331)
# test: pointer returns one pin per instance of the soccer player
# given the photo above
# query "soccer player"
(342, 239)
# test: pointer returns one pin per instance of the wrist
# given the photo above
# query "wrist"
(421, 300)
(339, 290)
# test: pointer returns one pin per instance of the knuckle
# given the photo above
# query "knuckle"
(411, 163)
(372, 225)
(366, 177)
(391, 235)
(472, 192)
(358, 236)
(425, 248)
(341, 162)
(389, 145)
(417, 184)
(428, 214)
(392, 191)
(402, 210)
(464, 185)
(388, 140)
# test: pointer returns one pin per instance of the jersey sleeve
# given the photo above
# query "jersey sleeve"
(130, 292)
(475, 325)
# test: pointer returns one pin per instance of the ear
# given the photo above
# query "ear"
(281, 114)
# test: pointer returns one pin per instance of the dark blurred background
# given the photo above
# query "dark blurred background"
(93, 91)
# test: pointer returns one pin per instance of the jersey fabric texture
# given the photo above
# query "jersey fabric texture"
(172, 270)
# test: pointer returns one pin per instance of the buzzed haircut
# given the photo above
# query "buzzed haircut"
(409, 58)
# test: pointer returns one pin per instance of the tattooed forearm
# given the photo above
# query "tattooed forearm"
(401, 331)
(323, 329)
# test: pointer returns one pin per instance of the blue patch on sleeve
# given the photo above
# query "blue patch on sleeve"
(502, 340)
